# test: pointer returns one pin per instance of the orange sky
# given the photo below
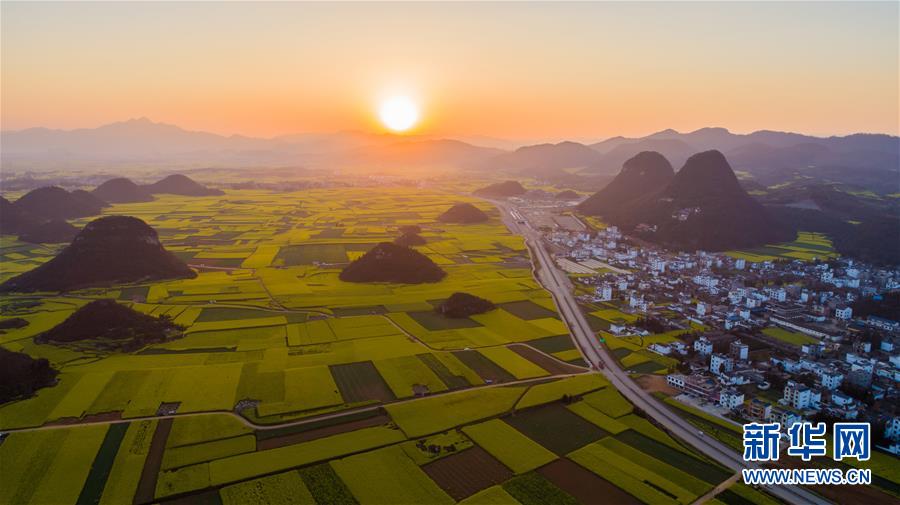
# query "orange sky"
(519, 71)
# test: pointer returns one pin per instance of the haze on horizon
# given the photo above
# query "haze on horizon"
(506, 70)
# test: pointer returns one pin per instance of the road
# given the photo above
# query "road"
(560, 287)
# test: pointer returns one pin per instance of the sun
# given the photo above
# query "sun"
(398, 113)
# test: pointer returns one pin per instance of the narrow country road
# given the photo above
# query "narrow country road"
(559, 286)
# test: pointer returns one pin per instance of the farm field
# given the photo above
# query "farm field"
(414, 450)
(270, 327)
(292, 386)
(807, 246)
(790, 337)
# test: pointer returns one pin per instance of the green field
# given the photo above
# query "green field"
(790, 337)
(808, 246)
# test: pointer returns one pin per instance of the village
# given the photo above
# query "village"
(773, 341)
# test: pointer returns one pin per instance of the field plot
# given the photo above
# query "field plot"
(533, 489)
(50, 466)
(408, 376)
(528, 310)
(279, 489)
(556, 428)
(552, 366)
(388, 476)
(555, 390)
(488, 370)
(511, 447)
(361, 382)
(325, 485)
(516, 364)
(450, 370)
(789, 337)
(126, 470)
(440, 413)
(808, 246)
(609, 401)
(583, 485)
(495, 495)
(463, 474)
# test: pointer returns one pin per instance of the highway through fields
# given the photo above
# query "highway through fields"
(560, 287)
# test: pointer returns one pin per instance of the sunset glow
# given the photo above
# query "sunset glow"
(535, 71)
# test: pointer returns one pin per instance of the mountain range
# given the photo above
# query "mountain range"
(770, 157)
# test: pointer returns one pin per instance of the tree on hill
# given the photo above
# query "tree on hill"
(109, 250)
(111, 326)
(460, 305)
(501, 190)
(178, 184)
(53, 202)
(21, 375)
(388, 262)
(463, 213)
(122, 190)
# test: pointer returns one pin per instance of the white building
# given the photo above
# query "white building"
(720, 364)
(604, 292)
(703, 346)
(831, 379)
(800, 396)
(731, 399)
(845, 313)
(739, 351)
(740, 264)
(892, 429)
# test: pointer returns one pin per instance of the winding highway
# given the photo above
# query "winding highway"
(560, 287)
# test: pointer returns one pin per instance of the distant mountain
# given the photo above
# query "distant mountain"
(122, 190)
(672, 149)
(14, 219)
(49, 232)
(545, 159)
(178, 184)
(463, 213)
(501, 190)
(134, 139)
(53, 202)
(703, 207)
(157, 144)
(869, 160)
(402, 154)
(460, 305)
(388, 262)
(109, 250)
(646, 173)
(21, 375)
(113, 327)
(33, 229)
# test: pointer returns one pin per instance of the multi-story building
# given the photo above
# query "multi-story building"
(831, 379)
(758, 409)
(703, 346)
(720, 364)
(845, 313)
(800, 396)
(731, 399)
(892, 429)
(739, 351)
(695, 385)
